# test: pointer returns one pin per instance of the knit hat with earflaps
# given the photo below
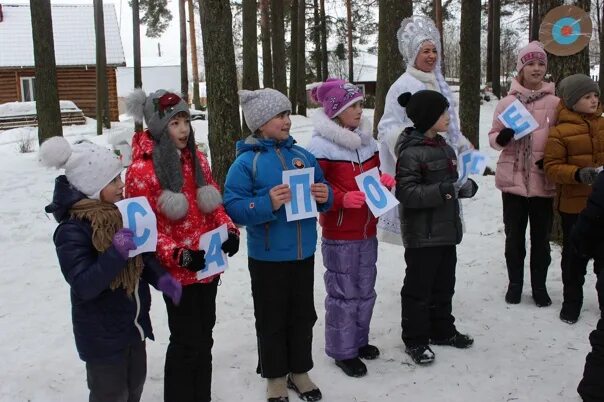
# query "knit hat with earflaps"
(88, 167)
(158, 109)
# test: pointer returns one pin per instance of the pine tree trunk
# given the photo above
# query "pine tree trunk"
(301, 58)
(496, 55)
(390, 61)
(278, 42)
(136, 52)
(325, 66)
(250, 46)
(221, 78)
(46, 93)
(535, 20)
(102, 92)
(489, 66)
(317, 42)
(194, 65)
(293, 57)
(265, 37)
(601, 33)
(349, 39)
(469, 94)
(438, 20)
(184, 71)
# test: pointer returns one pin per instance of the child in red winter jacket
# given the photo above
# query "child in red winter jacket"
(345, 148)
(169, 170)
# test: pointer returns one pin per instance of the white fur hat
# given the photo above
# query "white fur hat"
(88, 167)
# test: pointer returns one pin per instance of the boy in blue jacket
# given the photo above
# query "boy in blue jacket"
(281, 253)
(109, 293)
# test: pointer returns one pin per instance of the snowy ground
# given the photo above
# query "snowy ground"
(521, 353)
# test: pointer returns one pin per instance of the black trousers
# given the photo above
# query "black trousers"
(188, 368)
(427, 294)
(574, 265)
(285, 315)
(591, 387)
(122, 381)
(517, 212)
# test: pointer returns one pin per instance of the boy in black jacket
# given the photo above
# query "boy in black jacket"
(587, 237)
(426, 177)
(109, 293)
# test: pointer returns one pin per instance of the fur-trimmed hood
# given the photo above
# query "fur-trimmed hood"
(330, 130)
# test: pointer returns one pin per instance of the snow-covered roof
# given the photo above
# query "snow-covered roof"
(74, 39)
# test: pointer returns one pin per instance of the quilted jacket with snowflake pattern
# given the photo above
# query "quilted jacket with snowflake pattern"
(141, 180)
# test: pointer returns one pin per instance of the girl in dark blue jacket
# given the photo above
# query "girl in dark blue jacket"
(109, 293)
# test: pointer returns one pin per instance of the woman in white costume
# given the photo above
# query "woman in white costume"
(419, 43)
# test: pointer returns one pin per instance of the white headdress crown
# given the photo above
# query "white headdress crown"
(413, 32)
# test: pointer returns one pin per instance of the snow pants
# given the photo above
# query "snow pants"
(591, 387)
(350, 285)
(427, 294)
(188, 368)
(285, 315)
(122, 381)
(517, 212)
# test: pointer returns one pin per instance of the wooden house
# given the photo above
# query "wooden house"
(75, 55)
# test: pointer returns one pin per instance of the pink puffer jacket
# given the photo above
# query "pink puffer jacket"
(511, 175)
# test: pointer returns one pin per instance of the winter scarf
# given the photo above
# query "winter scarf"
(105, 220)
(524, 148)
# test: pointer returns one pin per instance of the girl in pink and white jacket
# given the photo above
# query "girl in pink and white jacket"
(526, 192)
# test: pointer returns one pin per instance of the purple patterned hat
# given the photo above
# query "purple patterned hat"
(336, 95)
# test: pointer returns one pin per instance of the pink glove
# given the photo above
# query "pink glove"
(170, 287)
(123, 242)
(353, 199)
(387, 180)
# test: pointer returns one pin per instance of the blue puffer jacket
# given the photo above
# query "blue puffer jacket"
(105, 321)
(257, 169)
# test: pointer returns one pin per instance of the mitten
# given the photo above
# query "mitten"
(123, 242)
(586, 175)
(193, 260)
(447, 190)
(170, 287)
(231, 245)
(468, 190)
(387, 180)
(504, 137)
(353, 199)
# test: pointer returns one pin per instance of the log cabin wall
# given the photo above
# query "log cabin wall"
(77, 84)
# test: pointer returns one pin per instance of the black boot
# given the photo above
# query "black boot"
(570, 312)
(352, 367)
(369, 352)
(421, 354)
(458, 340)
(541, 297)
(311, 395)
(514, 293)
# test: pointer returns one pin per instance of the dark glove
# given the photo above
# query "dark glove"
(123, 242)
(539, 163)
(447, 190)
(231, 245)
(193, 260)
(170, 287)
(504, 137)
(468, 190)
(586, 175)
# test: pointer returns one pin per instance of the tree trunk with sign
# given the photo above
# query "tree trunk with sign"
(559, 67)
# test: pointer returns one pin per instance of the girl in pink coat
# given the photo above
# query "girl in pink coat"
(527, 194)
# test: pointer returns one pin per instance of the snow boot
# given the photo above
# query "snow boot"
(352, 367)
(304, 387)
(369, 352)
(459, 341)
(514, 293)
(276, 390)
(541, 297)
(570, 312)
(421, 354)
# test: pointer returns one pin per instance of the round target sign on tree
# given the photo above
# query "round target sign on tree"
(565, 30)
